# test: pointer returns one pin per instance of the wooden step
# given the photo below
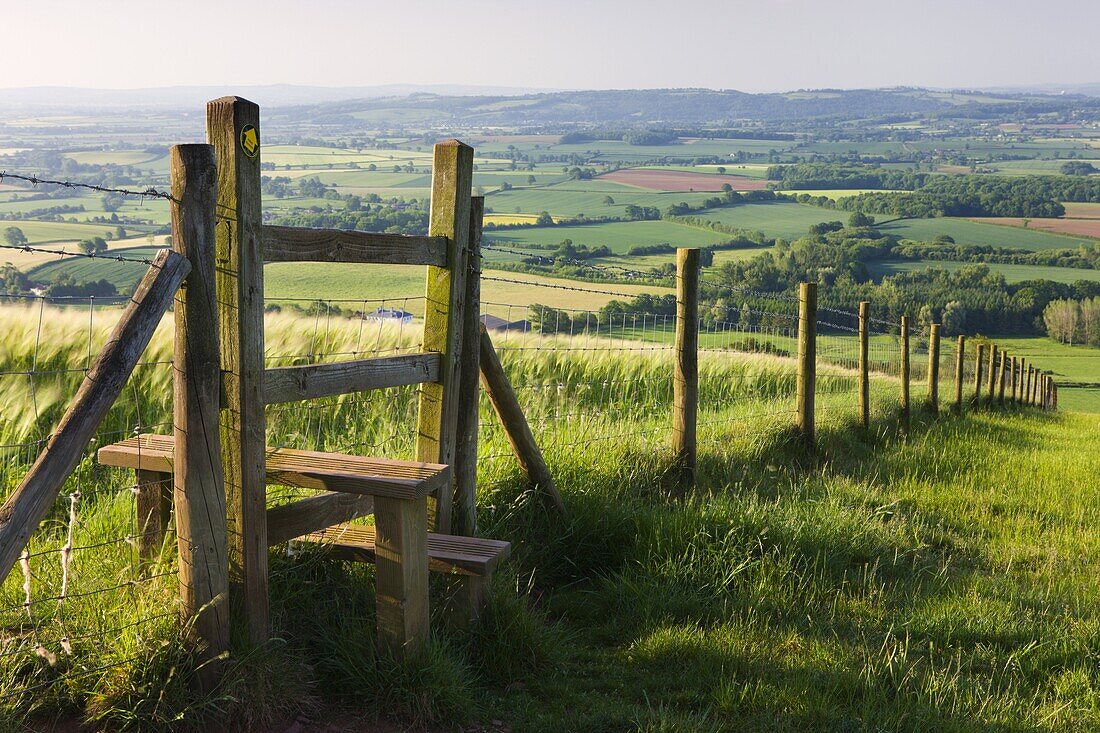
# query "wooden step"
(300, 468)
(446, 553)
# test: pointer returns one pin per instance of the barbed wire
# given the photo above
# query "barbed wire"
(87, 255)
(35, 180)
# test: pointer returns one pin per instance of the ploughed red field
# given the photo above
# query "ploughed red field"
(1076, 227)
(660, 180)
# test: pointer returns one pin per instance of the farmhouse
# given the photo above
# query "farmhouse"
(395, 315)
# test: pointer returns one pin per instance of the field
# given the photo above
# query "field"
(1068, 364)
(881, 584)
(776, 219)
(967, 232)
(1075, 227)
(673, 180)
(572, 198)
(618, 236)
(1012, 273)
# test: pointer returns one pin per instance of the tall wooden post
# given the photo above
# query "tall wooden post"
(991, 386)
(198, 487)
(979, 360)
(904, 345)
(864, 366)
(685, 382)
(1002, 377)
(960, 368)
(437, 422)
(233, 128)
(1027, 385)
(465, 512)
(807, 361)
(934, 368)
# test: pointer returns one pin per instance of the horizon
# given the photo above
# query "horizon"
(780, 45)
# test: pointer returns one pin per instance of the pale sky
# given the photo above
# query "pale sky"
(751, 45)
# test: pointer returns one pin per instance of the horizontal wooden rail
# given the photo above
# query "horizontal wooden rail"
(314, 514)
(296, 244)
(290, 384)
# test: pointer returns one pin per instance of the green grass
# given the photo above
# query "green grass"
(932, 581)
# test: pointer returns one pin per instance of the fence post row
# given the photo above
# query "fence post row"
(864, 373)
(807, 360)
(934, 368)
(979, 360)
(991, 382)
(198, 490)
(1002, 377)
(685, 383)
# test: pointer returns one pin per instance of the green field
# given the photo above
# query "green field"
(1012, 273)
(774, 218)
(1066, 363)
(573, 198)
(967, 232)
(618, 236)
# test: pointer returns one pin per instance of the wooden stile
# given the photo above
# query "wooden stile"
(685, 378)
(198, 486)
(296, 244)
(864, 366)
(232, 126)
(311, 381)
(934, 368)
(807, 361)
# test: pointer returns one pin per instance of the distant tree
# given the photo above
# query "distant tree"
(120, 233)
(608, 201)
(531, 180)
(544, 219)
(505, 186)
(944, 239)
(859, 219)
(15, 236)
(92, 245)
(721, 169)
(113, 201)
(727, 187)
(12, 280)
(1061, 318)
(954, 318)
(1079, 168)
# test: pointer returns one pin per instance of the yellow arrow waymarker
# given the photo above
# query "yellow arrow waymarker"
(250, 141)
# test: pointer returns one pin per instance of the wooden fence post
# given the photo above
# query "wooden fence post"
(1027, 384)
(991, 381)
(934, 368)
(233, 128)
(864, 367)
(1014, 378)
(979, 359)
(685, 381)
(904, 345)
(198, 488)
(437, 421)
(807, 361)
(960, 366)
(1002, 377)
(30, 503)
(469, 384)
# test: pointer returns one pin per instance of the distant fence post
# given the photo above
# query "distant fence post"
(960, 367)
(232, 127)
(1018, 382)
(979, 360)
(807, 361)
(905, 371)
(1013, 368)
(685, 381)
(991, 381)
(469, 384)
(934, 368)
(864, 367)
(1001, 379)
(198, 487)
(1027, 385)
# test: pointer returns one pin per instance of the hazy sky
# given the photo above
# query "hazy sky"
(753, 45)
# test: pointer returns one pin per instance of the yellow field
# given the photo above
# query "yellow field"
(510, 218)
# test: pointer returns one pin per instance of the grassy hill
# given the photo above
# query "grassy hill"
(938, 580)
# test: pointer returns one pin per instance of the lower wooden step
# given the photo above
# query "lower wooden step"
(446, 553)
